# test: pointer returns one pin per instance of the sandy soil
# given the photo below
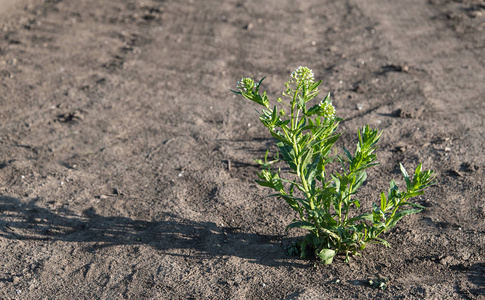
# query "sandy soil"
(6, 6)
(126, 165)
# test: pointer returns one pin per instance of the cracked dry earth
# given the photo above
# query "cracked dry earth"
(126, 165)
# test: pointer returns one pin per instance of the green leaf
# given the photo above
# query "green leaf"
(274, 115)
(382, 241)
(327, 255)
(259, 83)
(413, 204)
(315, 85)
(347, 153)
(301, 102)
(313, 168)
(366, 166)
(306, 157)
(336, 181)
(360, 179)
(265, 183)
(293, 202)
(377, 214)
(312, 111)
(418, 170)
(303, 248)
(279, 137)
(301, 224)
(301, 123)
(393, 187)
(383, 201)
(326, 144)
(311, 96)
(330, 221)
(331, 233)
(400, 214)
(414, 194)
(368, 217)
(406, 176)
(357, 203)
(322, 131)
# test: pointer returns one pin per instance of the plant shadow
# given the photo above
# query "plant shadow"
(183, 237)
(476, 275)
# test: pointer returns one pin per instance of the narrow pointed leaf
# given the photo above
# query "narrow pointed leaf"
(406, 176)
(383, 201)
(301, 224)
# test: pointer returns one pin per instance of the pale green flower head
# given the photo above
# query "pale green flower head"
(326, 109)
(304, 75)
(246, 85)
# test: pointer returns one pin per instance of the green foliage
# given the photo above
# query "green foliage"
(325, 201)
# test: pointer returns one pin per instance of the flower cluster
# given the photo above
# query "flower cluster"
(303, 74)
(246, 85)
(326, 109)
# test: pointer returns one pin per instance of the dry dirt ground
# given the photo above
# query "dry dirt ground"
(126, 165)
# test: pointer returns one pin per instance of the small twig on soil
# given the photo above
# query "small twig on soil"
(158, 148)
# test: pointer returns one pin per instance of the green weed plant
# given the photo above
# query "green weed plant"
(325, 201)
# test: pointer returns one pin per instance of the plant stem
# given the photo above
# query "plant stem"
(339, 213)
(297, 113)
(348, 203)
(307, 191)
(293, 103)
